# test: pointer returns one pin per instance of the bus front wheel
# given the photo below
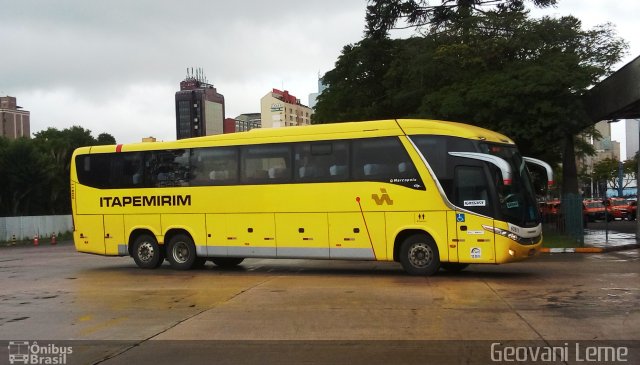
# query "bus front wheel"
(146, 252)
(419, 255)
(181, 252)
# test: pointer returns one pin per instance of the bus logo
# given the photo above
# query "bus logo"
(18, 352)
(384, 198)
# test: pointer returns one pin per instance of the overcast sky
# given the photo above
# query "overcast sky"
(114, 66)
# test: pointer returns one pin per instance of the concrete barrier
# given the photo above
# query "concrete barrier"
(43, 225)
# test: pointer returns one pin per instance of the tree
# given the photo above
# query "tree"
(105, 139)
(26, 175)
(382, 15)
(608, 171)
(520, 76)
(36, 171)
(356, 91)
(59, 145)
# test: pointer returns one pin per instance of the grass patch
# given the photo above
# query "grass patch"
(559, 240)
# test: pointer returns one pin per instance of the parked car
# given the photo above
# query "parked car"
(549, 210)
(594, 210)
(619, 208)
(633, 208)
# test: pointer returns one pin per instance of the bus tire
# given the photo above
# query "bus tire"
(453, 266)
(226, 262)
(419, 255)
(181, 252)
(146, 252)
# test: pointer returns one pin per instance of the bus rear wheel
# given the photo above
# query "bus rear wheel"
(419, 255)
(146, 252)
(227, 262)
(181, 252)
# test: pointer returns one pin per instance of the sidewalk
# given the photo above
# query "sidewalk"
(595, 241)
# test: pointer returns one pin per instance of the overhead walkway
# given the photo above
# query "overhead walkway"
(617, 96)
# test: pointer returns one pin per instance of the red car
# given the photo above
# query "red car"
(549, 210)
(633, 208)
(594, 210)
(619, 208)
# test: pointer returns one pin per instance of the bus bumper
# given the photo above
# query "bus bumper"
(508, 250)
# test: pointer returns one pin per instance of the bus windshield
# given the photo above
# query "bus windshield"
(517, 203)
(514, 203)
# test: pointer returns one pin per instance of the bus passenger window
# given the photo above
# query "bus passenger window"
(167, 168)
(384, 159)
(214, 166)
(321, 161)
(266, 164)
(94, 169)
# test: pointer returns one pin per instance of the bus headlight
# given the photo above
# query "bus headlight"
(512, 236)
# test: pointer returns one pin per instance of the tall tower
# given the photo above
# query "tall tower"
(14, 122)
(199, 107)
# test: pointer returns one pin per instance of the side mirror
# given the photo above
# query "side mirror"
(545, 165)
(505, 168)
(606, 202)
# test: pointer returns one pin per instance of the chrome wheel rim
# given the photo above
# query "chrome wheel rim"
(145, 251)
(180, 252)
(420, 255)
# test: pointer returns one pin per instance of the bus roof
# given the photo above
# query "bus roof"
(346, 130)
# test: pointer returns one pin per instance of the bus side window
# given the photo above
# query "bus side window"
(214, 166)
(167, 168)
(383, 159)
(321, 161)
(264, 164)
(94, 169)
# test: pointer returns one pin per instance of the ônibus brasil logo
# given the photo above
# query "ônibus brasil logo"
(25, 352)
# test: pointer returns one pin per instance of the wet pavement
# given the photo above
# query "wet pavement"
(306, 311)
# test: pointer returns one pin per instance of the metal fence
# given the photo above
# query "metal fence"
(566, 217)
(18, 228)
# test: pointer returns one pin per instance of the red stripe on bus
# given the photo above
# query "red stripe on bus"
(119, 148)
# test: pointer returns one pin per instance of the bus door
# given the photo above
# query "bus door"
(470, 241)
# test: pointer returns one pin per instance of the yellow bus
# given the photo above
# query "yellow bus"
(428, 194)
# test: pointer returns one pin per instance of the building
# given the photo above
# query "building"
(605, 148)
(313, 97)
(632, 136)
(199, 107)
(281, 109)
(15, 121)
(242, 123)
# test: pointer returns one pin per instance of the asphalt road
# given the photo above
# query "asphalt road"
(108, 311)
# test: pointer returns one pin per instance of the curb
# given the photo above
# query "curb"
(591, 249)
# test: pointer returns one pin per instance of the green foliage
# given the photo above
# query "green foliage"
(36, 171)
(498, 69)
(607, 171)
(382, 15)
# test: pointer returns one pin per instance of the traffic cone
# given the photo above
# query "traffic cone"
(53, 239)
(36, 240)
